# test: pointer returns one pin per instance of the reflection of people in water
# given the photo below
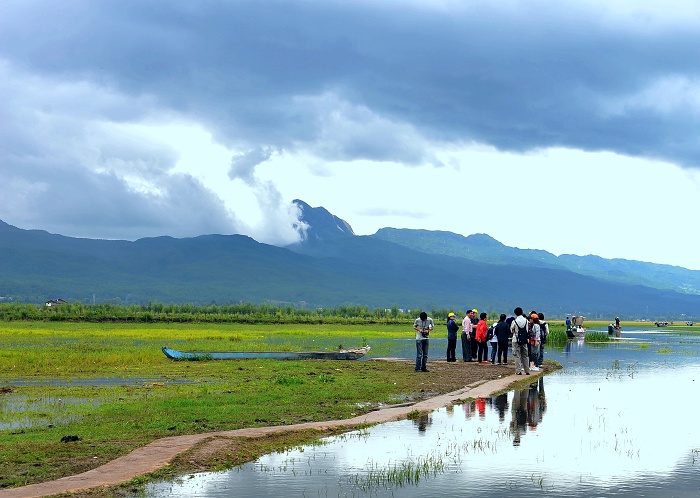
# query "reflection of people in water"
(469, 410)
(481, 407)
(423, 422)
(527, 410)
(536, 404)
(518, 415)
(501, 404)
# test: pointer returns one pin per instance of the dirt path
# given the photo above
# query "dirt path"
(161, 452)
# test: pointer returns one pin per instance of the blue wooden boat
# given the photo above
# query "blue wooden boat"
(342, 354)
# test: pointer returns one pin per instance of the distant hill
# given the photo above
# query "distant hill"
(331, 266)
(485, 249)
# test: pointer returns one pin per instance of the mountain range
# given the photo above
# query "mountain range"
(331, 266)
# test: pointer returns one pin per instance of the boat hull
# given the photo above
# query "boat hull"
(575, 332)
(349, 354)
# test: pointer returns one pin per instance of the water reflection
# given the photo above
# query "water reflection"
(423, 422)
(603, 435)
(527, 410)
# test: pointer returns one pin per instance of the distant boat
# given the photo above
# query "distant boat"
(341, 354)
(614, 330)
(576, 329)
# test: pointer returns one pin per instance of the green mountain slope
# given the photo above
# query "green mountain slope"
(485, 249)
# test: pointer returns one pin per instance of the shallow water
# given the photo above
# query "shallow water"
(618, 420)
(21, 411)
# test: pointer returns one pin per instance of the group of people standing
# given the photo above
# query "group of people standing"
(527, 335)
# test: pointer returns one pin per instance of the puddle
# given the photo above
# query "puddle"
(23, 412)
(92, 382)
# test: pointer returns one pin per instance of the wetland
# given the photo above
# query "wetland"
(117, 393)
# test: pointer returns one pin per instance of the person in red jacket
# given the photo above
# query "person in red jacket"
(483, 347)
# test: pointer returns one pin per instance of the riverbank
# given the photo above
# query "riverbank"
(445, 384)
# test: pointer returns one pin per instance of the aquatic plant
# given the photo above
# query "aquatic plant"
(597, 337)
(414, 415)
(398, 474)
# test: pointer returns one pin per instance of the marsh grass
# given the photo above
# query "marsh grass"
(407, 472)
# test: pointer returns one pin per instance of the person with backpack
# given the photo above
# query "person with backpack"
(518, 328)
(452, 329)
(544, 332)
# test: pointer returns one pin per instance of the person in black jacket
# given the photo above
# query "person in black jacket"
(452, 329)
(502, 331)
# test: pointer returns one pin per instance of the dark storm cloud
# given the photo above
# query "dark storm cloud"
(340, 80)
(530, 75)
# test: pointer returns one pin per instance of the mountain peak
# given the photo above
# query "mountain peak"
(317, 223)
(483, 240)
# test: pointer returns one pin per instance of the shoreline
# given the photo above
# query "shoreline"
(162, 452)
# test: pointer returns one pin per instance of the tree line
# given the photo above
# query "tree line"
(214, 313)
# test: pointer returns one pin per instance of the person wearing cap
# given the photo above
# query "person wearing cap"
(423, 326)
(467, 333)
(452, 329)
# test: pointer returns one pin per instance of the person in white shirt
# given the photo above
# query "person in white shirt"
(520, 341)
(423, 326)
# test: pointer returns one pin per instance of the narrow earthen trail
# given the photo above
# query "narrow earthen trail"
(161, 452)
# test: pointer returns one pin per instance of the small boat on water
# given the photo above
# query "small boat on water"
(576, 329)
(341, 354)
(614, 330)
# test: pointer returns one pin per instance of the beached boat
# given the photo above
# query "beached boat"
(576, 329)
(341, 354)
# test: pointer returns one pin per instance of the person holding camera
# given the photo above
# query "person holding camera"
(423, 325)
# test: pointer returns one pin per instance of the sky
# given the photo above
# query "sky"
(565, 126)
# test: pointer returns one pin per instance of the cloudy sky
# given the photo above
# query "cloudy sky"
(565, 126)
